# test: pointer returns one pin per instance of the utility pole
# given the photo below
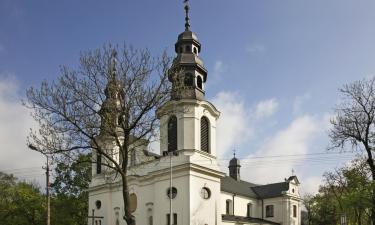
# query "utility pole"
(171, 154)
(47, 192)
(170, 189)
(32, 147)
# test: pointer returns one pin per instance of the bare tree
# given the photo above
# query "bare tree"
(112, 95)
(354, 124)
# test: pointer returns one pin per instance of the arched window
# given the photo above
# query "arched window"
(249, 209)
(98, 163)
(187, 48)
(172, 134)
(205, 132)
(133, 158)
(199, 82)
(228, 207)
(269, 211)
(195, 50)
(294, 211)
(189, 80)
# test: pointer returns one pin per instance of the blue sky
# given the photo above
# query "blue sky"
(274, 66)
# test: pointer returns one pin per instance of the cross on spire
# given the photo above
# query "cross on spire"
(187, 19)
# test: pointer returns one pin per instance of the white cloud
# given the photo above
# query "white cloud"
(293, 140)
(266, 108)
(255, 48)
(233, 126)
(15, 123)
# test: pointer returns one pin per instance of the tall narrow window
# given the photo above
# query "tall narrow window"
(133, 158)
(249, 209)
(172, 134)
(205, 132)
(269, 211)
(228, 207)
(98, 163)
(294, 211)
(199, 82)
(174, 219)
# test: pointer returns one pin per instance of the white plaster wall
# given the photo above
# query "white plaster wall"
(240, 204)
(204, 211)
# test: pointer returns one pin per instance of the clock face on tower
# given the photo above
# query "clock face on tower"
(205, 193)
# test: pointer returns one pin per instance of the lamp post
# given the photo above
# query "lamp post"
(32, 147)
(170, 154)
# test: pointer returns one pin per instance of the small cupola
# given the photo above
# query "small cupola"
(187, 73)
(234, 168)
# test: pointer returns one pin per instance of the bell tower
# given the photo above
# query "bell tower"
(187, 73)
(188, 121)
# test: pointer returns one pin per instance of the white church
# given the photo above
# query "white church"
(184, 184)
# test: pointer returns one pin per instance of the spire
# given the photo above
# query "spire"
(109, 111)
(187, 73)
(187, 19)
(113, 64)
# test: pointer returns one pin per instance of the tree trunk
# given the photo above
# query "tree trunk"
(129, 218)
(359, 220)
(370, 162)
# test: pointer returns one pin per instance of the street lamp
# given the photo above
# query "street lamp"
(170, 154)
(32, 147)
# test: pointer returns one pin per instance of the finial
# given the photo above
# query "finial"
(234, 153)
(113, 63)
(187, 20)
(293, 172)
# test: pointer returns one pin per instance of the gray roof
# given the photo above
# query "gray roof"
(187, 35)
(234, 162)
(233, 218)
(271, 190)
(228, 184)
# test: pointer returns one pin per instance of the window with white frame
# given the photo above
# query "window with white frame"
(229, 207)
(249, 209)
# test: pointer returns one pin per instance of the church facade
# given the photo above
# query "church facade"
(184, 184)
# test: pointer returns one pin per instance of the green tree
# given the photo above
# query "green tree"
(69, 192)
(345, 191)
(21, 203)
(354, 124)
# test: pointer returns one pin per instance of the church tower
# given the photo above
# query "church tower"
(187, 73)
(188, 121)
(188, 128)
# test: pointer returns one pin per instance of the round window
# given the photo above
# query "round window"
(205, 193)
(174, 192)
(98, 204)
